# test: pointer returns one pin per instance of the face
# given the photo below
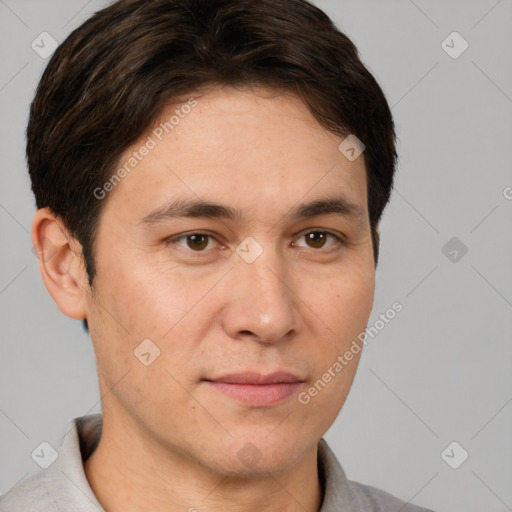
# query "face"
(238, 247)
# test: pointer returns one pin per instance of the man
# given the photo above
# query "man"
(209, 177)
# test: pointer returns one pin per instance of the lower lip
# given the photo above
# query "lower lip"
(257, 395)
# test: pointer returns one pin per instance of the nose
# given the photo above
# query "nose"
(261, 303)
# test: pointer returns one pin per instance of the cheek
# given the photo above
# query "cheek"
(344, 306)
(344, 300)
(352, 306)
(342, 303)
(145, 301)
(145, 305)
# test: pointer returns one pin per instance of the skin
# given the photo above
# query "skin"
(170, 442)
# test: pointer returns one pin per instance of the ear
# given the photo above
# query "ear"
(60, 263)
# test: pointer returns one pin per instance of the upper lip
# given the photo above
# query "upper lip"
(257, 378)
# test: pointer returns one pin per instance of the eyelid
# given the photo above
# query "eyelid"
(340, 238)
(174, 238)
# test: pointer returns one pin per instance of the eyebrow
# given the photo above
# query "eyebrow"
(198, 208)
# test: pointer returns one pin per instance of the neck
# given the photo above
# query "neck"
(130, 471)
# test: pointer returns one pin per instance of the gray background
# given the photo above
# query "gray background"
(441, 370)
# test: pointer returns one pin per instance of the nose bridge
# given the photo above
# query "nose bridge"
(261, 301)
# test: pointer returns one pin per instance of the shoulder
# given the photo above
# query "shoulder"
(62, 485)
(343, 494)
(32, 494)
(377, 500)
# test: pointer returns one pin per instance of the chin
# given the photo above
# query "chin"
(255, 455)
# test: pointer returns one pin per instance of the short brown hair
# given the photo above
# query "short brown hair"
(109, 80)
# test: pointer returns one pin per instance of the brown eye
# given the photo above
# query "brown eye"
(316, 239)
(194, 240)
(197, 242)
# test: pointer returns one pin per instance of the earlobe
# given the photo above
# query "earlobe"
(60, 263)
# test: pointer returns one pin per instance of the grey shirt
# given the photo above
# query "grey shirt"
(63, 486)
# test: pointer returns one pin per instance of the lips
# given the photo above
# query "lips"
(255, 389)
(257, 378)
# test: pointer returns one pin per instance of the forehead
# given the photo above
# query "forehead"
(256, 149)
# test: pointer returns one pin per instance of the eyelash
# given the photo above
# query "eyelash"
(340, 240)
